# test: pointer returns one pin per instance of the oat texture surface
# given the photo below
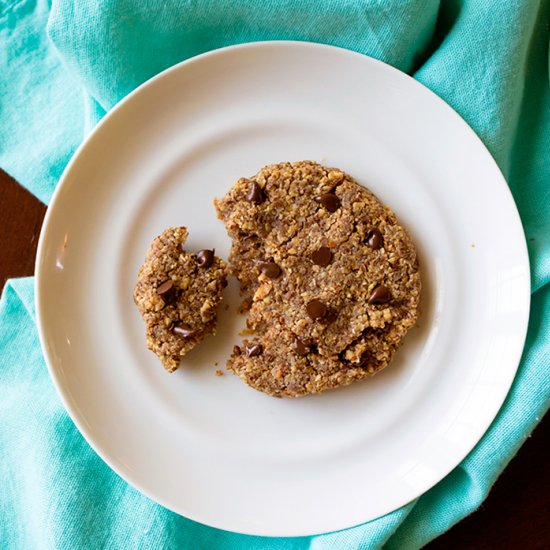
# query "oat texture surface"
(177, 294)
(329, 278)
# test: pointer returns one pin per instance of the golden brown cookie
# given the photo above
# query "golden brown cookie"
(329, 277)
(177, 294)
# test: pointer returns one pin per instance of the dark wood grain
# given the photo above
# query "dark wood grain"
(516, 516)
(21, 216)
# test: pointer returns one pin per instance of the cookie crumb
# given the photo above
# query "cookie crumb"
(219, 372)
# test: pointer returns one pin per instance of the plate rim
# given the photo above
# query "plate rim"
(57, 195)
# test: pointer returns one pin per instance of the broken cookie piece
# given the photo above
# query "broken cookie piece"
(329, 278)
(177, 294)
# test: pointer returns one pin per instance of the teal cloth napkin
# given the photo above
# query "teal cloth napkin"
(63, 64)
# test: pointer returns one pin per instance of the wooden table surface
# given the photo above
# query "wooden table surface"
(515, 516)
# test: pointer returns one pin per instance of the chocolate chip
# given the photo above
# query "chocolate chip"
(316, 310)
(380, 295)
(255, 194)
(270, 269)
(166, 290)
(330, 201)
(364, 359)
(374, 238)
(253, 350)
(205, 258)
(181, 329)
(322, 257)
(236, 350)
(302, 347)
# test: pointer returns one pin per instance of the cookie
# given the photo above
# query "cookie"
(177, 294)
(329, 278)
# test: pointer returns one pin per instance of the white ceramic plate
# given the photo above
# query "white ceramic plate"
(209, 447)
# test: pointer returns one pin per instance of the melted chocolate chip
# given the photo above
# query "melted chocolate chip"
(205, 258)
(302, 347)
(181, 329)
(255, 194)
(236, 350)
(374, 238)
(380, 295)
(253, 350)
(270, 269)
(166, 290)
(322, 256)
(330, 201)
(316, 310)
